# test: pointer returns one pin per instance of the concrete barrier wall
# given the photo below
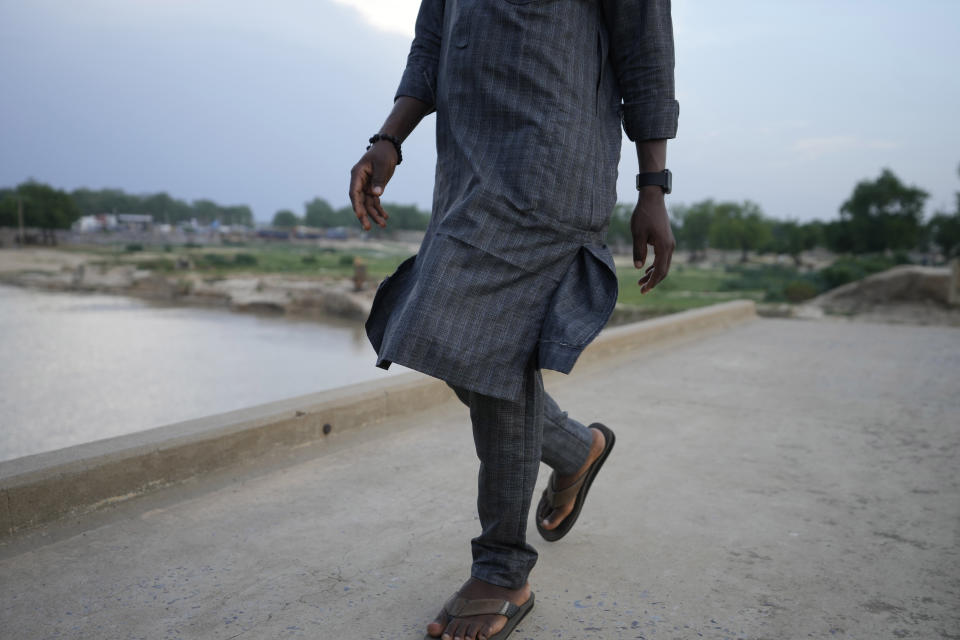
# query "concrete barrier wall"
(42, 488)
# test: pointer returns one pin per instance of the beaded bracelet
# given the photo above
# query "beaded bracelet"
(392, 139)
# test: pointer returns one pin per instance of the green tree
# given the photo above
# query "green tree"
(791, 238)
(407, 216)
(43, 207)
(738, 226)
(285, 219)
(320, 214)
(237, 214)
(693, 227)
(163, 207)
(8, 207)
(944, 229)
(618, 232)
(882, 214)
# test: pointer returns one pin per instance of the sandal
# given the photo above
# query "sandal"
(457, 607)
(553, 498)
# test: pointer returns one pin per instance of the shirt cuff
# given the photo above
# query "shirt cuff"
(416, 84)
(651, 120)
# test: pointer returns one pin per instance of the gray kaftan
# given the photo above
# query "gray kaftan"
(530, 97)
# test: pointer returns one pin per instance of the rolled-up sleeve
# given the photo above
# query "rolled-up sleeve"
(641, 50)
(420, 76)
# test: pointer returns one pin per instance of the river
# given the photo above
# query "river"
(80, 367)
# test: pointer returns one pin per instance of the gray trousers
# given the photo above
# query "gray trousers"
(512, 438)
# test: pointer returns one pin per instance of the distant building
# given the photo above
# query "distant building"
(135, 221)
(114, 222)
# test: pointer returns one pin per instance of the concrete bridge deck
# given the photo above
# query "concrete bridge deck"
(779, 479)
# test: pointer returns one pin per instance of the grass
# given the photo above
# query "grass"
(684, 288)
(300, 261)
(687, 286)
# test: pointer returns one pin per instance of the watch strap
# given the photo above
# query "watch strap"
(662, 179)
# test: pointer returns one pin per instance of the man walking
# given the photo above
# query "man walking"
(513, 275)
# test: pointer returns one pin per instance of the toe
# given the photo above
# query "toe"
(471, 633)
(435, 628)
(450, 633)
(556, 516)
(549, 522)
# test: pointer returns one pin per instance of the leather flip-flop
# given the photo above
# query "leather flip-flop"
(553, 498)
(457, 607)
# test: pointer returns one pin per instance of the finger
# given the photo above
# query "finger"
(639, 250)
(381, 212)
(357, 197)
(649, 278)
(658, 274)
(666, 268)
(664, 257)
(372, 212)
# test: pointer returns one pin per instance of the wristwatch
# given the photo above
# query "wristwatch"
(662, 179)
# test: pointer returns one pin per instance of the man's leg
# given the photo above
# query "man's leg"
(566, 442)
(569, 448)
(508, 437)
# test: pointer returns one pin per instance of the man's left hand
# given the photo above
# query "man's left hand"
(650, 224)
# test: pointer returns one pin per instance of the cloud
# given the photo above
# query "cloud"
(829, 145)
(396, 16)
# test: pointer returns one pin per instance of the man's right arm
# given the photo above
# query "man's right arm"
(415, 98)
(369, 177)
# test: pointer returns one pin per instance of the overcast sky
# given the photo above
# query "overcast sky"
(788, 103)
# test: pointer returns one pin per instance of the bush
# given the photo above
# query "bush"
(800, 290)
(214, 260)
(848, 269)
(311, 259)
(245, 259)
(158, 264)
(837, 275)
(346, 260)
(136, 246)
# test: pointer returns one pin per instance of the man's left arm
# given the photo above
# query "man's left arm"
(641, 51)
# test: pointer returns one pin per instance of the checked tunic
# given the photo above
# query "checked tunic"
(530, 96)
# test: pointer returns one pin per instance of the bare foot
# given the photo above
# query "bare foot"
(556, 516)
(476, 627)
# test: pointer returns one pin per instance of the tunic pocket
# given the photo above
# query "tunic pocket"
(579, 309)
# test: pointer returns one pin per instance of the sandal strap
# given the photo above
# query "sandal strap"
(557, 498)
(458, 607)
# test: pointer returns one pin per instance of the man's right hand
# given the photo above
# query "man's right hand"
(368, 179)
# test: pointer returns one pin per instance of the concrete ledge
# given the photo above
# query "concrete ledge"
(44, 487)
(616, 340)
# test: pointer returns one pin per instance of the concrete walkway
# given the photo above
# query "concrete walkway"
(780, 479)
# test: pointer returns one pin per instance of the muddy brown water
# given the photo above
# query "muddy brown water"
(80, 367)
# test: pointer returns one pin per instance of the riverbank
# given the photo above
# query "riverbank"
(340, 279)
(292, 294)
